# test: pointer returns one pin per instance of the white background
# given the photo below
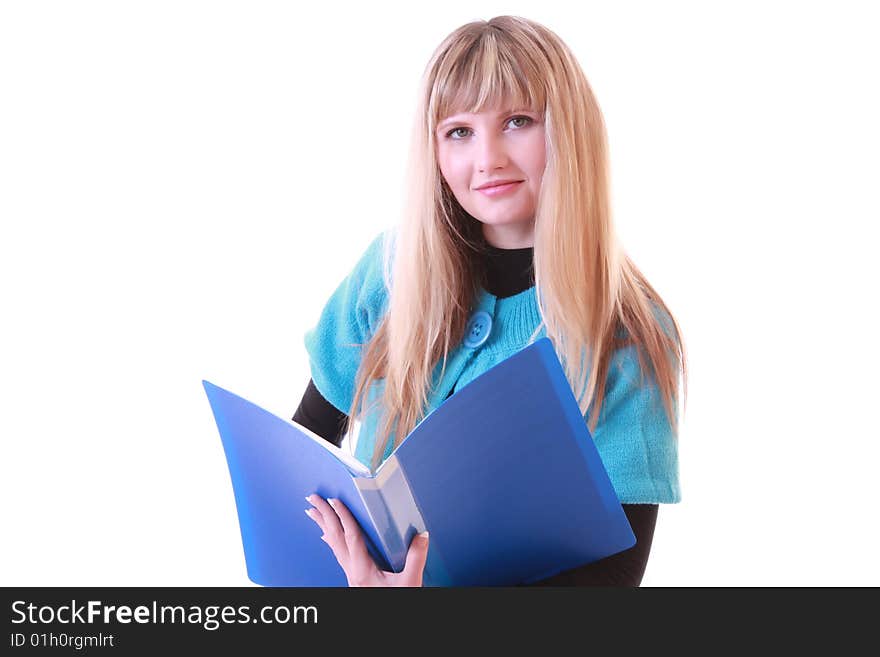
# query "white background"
(183, 184)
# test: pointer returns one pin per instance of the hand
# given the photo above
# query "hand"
(344, 536)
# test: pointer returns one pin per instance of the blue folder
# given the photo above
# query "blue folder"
(504, 475)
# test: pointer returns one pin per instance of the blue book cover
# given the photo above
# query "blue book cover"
(504, 475)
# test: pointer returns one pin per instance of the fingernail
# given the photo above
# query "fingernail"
(309, 513)
(424, 535)
(309, 499)
(332, 502)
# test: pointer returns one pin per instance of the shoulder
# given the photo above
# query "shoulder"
(661, 316)
(348, 320)
(372, 277)
(370, 265)
(361, 298)
(377, 250)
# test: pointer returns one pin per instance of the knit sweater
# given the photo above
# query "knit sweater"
(633, 436)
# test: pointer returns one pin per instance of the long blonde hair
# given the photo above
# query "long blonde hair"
(592, 298)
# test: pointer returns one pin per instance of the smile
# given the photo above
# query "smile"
(498, 190)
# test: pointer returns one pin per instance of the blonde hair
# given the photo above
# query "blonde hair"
(592, 298)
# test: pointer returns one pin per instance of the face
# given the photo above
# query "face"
(490, 146)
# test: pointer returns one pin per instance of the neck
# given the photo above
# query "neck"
(508, 271)
(515, 236)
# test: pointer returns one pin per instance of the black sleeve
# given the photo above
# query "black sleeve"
(317, 414)
(622, 569)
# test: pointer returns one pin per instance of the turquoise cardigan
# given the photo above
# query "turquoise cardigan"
(633, 436)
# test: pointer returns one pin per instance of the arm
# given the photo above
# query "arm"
(317, 414)
(622, 569)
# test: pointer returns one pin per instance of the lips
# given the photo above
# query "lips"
(499, 189)
(497, 183)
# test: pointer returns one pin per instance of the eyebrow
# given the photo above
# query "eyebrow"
(453, 119)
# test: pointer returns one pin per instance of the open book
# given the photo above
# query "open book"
(504, 474)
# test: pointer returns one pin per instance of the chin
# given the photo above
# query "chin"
(500, 221)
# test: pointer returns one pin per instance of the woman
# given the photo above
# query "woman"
(507, 218)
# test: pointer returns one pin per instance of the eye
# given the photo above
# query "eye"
(456, 135)
(525, 119)
(449, 135)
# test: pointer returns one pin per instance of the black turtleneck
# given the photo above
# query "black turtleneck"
(509, 272)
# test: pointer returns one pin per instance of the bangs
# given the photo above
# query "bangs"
(486, 74)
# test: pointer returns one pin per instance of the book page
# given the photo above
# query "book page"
(355, 467)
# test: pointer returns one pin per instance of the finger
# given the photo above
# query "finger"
(354, 537)
(361, 565)
(316, 517)
(337, 547)
(315, 514)
(332, 528)
(416, 557)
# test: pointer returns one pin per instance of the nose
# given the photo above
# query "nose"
(491, 153)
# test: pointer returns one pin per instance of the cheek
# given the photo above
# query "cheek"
(455, 175)
(538, 158)
(447, 168)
